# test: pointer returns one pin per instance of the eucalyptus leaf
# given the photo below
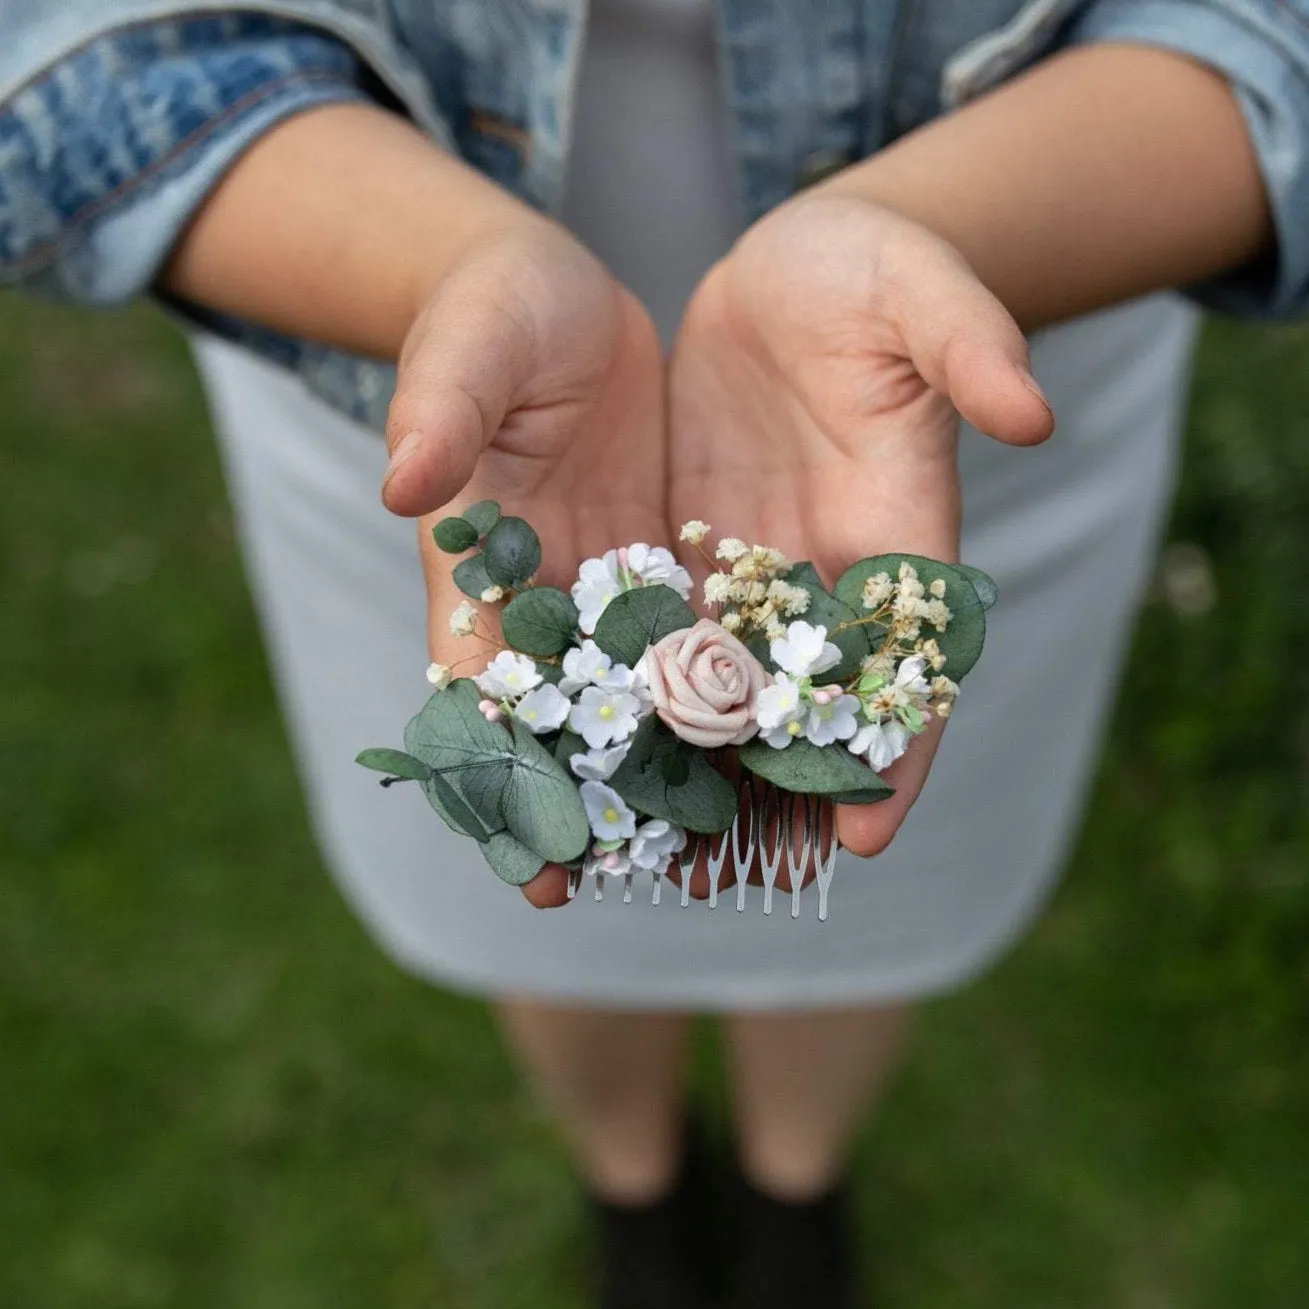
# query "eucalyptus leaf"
(552, 673)
(962, 641)
(395, 762)
(542, 621)
(634, 620)
(512, 553)
(854, 643)
(512, 861)
(808, 769)
(471, 577)
(454, 535)
(803, 574)
(541, 803)
(705, 801)
(443, 796)
(483, 516)
(987, 591)
(568, 744)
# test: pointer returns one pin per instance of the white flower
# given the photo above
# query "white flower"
(695, 531)
(778, 704)
(731, 549)
(610, 818)
(937, 612)
(599, 765)
(805, 651)
(880, 743)
(600, 862)
(909, 676)
(601, 717)
(780, 737)
(492, 594)
(463, 620)
(655, 565)
(878, 589)
(833, 721)
(543, 710)
(717, 589)
(597, 583)
(937, 589)
(508, 676)
(730, 622)
(792, 600)
(654, 845)
(583, 666)
(439, 675)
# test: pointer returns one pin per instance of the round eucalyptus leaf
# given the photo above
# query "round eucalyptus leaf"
(808, 769)
(471, 577)
(512, 553)
(634, 620)
(454, 535)
(541, 621)
(541, 803)
(395, 762)
(483, 516)
(512, 861)
(987, 591)
(702, 801)
(963, 638)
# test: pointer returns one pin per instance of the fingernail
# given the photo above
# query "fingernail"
(1033, 386)
(404, 451)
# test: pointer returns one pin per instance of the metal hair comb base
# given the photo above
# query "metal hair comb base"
(771, 827)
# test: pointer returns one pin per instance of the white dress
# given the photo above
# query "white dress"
(1068, 531)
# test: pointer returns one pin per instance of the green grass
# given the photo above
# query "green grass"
(214, 1092)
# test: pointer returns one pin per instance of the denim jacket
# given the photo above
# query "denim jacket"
(117, 117)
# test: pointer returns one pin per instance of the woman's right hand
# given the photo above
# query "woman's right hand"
(531, 377)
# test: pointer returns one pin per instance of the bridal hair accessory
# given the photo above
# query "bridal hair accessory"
(614, 731)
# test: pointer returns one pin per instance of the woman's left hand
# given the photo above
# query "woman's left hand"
(815, 390)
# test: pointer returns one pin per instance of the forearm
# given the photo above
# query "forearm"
(336, 226)
(1101, 174)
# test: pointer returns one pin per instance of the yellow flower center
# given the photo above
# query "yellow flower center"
(606, 712)
(794, 729)
(611, 815)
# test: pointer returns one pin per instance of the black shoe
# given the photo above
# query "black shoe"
(655, 1256)
(792, 1255)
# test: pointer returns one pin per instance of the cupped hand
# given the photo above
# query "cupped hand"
(533, 378)
(814, 396)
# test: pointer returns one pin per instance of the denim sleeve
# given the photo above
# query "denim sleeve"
(1262, 48)
(105, 157)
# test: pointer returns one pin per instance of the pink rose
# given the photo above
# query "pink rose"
(704, 683)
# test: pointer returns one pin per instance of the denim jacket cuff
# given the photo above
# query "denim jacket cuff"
(105, 158)
(1262, 48)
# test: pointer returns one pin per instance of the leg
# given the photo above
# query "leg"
(801, 1082)
(615, 1083)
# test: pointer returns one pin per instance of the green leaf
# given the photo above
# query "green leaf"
(458, 814)
(634, 620)
(552, 673)
(454, 535)
(471, 577)
(855, 643)
(809, 769)
(962, 641)
(705, 801)
(512, 861)
(987, 591)
(512, 553)
(803, 574)
(483, 516)
(541, 803)
(395, 762)
(568, 744)
(542, 621)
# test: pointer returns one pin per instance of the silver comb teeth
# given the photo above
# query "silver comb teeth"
(771, 826)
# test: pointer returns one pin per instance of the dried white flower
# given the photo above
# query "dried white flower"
(717, 589)
(439, 675)
(463, 621)
(731, 549)
(695, 531)
(878, 589)
(492, 594)
(730, 622)
(938, 614)
(937, 589)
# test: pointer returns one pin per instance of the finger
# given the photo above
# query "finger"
(965, 343)
(548, 889)
(869, 829)
(464, 362)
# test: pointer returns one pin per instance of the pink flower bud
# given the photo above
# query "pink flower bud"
(622, 557)
(822, 697)
(490, 710)
(611, 860)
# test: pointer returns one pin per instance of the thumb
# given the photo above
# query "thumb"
(965, 345)
(463, 363)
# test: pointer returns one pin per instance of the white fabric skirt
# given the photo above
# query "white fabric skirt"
(1068, 531)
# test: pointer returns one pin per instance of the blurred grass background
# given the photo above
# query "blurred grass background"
(215, 1093)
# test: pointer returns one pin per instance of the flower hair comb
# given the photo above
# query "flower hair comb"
(615, 732)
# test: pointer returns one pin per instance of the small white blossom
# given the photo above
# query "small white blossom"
(833, 721)
(588, 665)
(717, 589)
(599, 765)
(909, 676)
(878, 589)
(791, 600)
(600, 862)
(775, 631)
(730, 622)
(601, 717)
(780, 737)
(695, 531)
(597, 583)
(778, 704)
(937, 589)
(439, 675)
(609, 816)
(463, 620)
(655, 565)
(493, 594)
(938, 614)
(654, 845)
(508, 676)
(543, 710)
(880, 743)
(731, 549)
(805, 651)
